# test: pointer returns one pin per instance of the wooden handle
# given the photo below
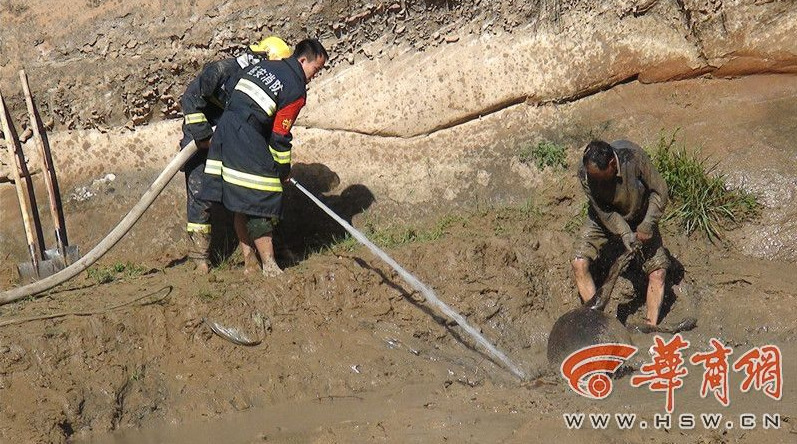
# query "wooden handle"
(12, 145)
(111, 239)
(56, 210)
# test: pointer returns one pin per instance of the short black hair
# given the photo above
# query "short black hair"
(310, 48)
(598, 153)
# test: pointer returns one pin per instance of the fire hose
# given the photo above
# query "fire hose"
(157, 187)
(418, 285)
(110, 240)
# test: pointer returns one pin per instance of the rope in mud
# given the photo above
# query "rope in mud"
(418, 285)
(169, 289)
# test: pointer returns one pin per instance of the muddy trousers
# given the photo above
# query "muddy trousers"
(198, 210)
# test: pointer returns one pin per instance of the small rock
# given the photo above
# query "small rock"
(239, 404)
(26, 135)
(452, 38)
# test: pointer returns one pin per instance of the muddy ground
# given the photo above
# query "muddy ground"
(351, 353)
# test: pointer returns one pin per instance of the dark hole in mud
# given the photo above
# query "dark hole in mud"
(66, 428)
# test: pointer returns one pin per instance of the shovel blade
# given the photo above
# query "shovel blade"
(28, 273)
(71, 252)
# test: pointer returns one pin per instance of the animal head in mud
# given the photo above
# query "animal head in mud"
(583, 327)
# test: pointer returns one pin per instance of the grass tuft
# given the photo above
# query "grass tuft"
(104, 275)
(574, 223)
(394, 236)
(544, 154)
(700, 198)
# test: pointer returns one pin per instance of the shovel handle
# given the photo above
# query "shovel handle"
(110, 240)
(56, 210)
(604, 293)
(12, 145)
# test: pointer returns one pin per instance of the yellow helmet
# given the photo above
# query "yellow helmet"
(273, 47)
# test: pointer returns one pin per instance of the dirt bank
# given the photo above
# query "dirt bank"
(350, 344)
(103, 64)
(350, 353)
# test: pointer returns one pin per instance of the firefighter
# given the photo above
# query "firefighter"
(250, 154)
(202, 104)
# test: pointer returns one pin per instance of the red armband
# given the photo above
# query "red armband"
(283, 120)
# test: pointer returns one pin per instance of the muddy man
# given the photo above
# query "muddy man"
(627, 197)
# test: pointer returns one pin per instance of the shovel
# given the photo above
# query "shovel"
(63, 254)
(37, 267)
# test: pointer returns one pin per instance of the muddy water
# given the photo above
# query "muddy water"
(361, 417)
(426, 413)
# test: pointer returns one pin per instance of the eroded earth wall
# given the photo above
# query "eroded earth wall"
(107, 77)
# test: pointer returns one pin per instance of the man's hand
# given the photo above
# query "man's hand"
(285, 173)
(643, 237)
(629, 239)
(203, 144)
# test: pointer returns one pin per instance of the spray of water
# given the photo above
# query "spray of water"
(418, 285)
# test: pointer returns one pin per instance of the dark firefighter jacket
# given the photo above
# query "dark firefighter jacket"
(250, 153)
(205, 98)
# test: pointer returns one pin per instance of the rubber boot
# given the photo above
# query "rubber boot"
(200, 251)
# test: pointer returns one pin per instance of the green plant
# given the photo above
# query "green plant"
(544, 154)
(530, 209)
(575, 222)
(101, 275)
(345, 243)
(138, 373)
(700, 198)
(393, 236)
(441, 227)
(230, 261)
(104, 275)
(206, 295)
